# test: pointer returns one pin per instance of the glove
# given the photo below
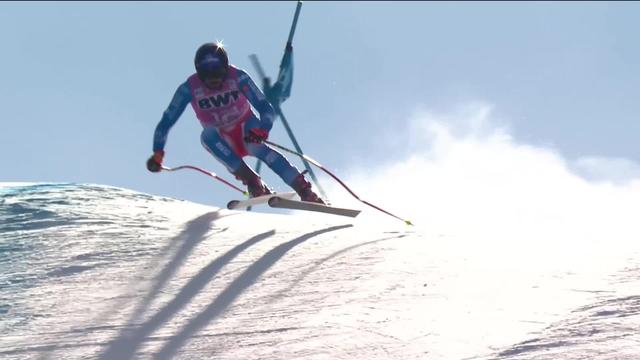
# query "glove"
(154, 164)
(257, 135)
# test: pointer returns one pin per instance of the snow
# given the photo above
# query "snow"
(91, 271)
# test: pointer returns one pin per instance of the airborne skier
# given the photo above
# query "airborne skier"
(222, 97)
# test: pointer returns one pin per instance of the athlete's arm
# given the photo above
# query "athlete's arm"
(257, 99)
(180, 100)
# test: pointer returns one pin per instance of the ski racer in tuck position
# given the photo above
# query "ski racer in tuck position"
(222, 97)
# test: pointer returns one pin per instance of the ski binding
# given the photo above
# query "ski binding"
(241, 204)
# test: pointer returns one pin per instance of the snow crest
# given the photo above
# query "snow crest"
(90, 271)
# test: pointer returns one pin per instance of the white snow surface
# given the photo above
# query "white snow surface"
(96, 272)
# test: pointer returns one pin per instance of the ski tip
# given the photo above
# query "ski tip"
(408, 222)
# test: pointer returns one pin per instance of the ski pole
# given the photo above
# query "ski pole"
(295, 22)
(305, 157)
(209, 173)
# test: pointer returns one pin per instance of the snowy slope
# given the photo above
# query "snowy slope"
(95, 272)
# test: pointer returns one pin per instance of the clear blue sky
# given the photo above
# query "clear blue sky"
(83, 85)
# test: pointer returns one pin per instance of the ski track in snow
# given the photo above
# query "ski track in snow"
(95, 272)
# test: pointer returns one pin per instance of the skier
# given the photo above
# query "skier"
(221, 95)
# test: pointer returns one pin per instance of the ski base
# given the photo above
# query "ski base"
(283, 203)
(241, 204)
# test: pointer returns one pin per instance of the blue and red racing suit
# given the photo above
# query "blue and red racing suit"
(226, 117)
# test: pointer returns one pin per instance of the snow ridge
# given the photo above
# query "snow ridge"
(91, 271)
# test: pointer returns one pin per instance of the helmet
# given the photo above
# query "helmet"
(211, 61)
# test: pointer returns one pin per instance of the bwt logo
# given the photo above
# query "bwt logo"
(218, 100)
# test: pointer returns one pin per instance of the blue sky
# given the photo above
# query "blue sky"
(84, 84)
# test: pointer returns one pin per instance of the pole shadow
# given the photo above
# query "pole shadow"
(193, 233)
(187, 240)
(233, 291)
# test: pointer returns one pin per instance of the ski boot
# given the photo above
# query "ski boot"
(303, 188)
(254, 184)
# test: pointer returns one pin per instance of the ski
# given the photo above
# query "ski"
(241, 204)
(281, 202)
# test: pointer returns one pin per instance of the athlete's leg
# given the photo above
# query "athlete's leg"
(221, 150)
(287, 172)
(275, 161)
